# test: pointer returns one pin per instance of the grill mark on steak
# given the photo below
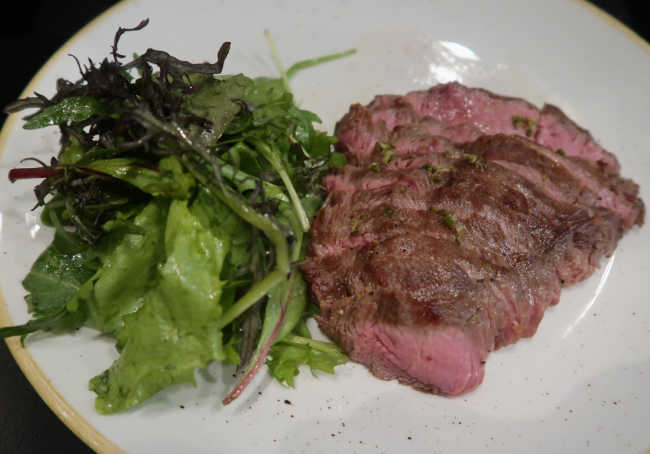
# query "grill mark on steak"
(420, 272)
(565, 178)
(559, 175)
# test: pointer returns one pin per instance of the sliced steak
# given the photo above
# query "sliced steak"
(444, 238)
(565, 178)
(461, 112)
(556, 131)
(390, 270)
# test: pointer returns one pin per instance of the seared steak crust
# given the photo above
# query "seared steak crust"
(451, 230)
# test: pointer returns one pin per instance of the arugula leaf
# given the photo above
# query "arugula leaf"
(58, 273)
(54, 280)
(73, 109)
(216, 101)
(60, 320)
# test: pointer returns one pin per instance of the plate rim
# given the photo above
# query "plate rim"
(84, 430)
(63, 410)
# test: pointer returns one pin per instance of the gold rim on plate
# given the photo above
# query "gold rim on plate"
(39, 381)
(34, 374)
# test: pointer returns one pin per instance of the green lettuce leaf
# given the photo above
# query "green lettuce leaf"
(167, 180)
(225, 223)
(175, 331)
(130, 257)
(294, 351)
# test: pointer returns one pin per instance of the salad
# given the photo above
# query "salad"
(181, 200)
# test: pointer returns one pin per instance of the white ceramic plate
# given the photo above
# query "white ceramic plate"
(581, 384)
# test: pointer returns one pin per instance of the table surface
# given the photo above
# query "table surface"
(27, 425)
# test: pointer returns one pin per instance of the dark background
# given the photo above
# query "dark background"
(28, 36)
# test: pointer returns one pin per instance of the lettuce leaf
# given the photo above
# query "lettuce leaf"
(167, 180)
(294, 351)
(175, 330)
(129, 265)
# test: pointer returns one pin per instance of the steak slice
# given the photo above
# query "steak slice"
(561, 177)
(462, 114)
(443, 239)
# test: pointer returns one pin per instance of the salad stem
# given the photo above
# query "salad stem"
(241, 208)
(258, 291)
(247, 213)
(243, 179)
(326, 347)
(266, 225)
(303, 64)
(263, 348)
(295, 199)
(273, 156)
(276, 59)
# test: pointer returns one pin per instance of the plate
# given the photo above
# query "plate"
(581, 384)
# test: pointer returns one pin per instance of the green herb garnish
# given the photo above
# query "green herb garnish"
(387, 152)
(354, 226)
(437, 172)
(476, 160)
(528, 125)
(450, 221)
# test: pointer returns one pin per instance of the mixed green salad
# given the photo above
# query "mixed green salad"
(181, 200)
